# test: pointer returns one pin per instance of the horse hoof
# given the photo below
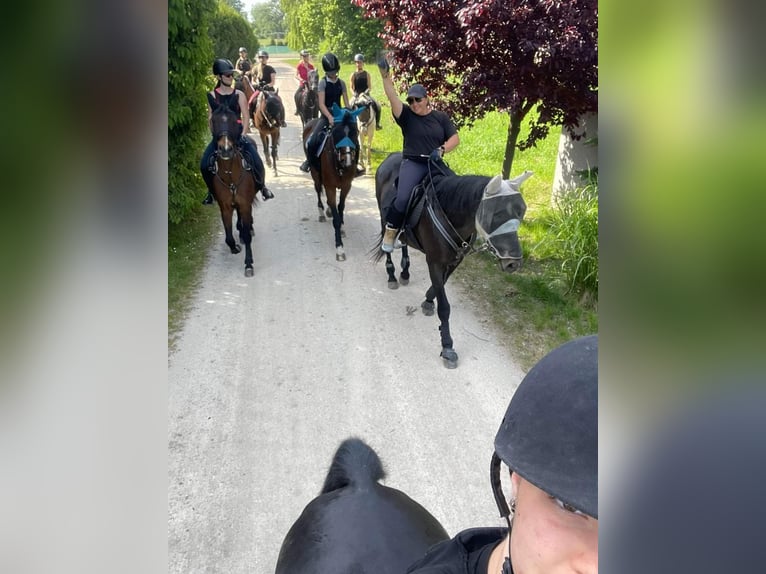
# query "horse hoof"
(393, 284)
(404, 281)
(428, 308)
(322, 218)
(340, 255)
(248, 271)
(450, 358)
(328, 212)
(236, 249)
(343, 233)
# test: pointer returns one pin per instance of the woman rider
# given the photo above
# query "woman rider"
(225, 93)
(266, 77)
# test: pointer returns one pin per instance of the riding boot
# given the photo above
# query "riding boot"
(266, 193)
(305, 166)
(389, 236)
(209, 199)
(394, 221)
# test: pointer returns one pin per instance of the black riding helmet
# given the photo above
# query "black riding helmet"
(222, 66)
(549, 434)
(330, 63)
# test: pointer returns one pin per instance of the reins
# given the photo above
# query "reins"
(231, 185)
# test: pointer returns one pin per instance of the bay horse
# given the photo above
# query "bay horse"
(308, 99)
(446, 213)
(356, 525)
(266, 118)
(366, 124)
(333, 167)
(234, 182)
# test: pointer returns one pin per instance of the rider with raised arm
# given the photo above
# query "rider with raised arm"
(302, 75)
(361, 82)
(224, 93)
(331, 90)
(427, 133)
(266, 78)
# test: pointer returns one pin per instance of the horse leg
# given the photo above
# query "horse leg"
(320, 205)
(245, 226)
(274, 144)
(404, 276)
(391, 270)
(337, 222)
(265, 143)
(226, 216)
(438, 278)
(428, 305)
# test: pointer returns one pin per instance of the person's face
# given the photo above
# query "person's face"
(227, 79)
(243, 54)
(418, 105)
(547, 537)
(359, 64)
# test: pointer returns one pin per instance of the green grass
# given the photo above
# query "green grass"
(188, 249)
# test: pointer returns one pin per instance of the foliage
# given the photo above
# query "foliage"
(268, 20)
(189, 57)
(238, 5)
(229, 30)
(572, 237)
(336, 26)
(476, 56)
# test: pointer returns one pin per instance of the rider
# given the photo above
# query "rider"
(549, 441)
(361, 82)
(225, 93)
(427, 133)
(244, 65)
(266, 77)
(330, 91)
(302, 75)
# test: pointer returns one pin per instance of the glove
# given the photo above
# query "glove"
(383, 64)
(436, 155)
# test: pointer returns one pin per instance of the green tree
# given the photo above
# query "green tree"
(229, 30)
(189, 58)
(268, 19)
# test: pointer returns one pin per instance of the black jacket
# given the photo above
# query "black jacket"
(461, 555)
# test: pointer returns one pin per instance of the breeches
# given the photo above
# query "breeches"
(410, 174)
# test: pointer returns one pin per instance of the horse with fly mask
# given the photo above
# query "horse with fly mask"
(444, 215)
(356, 525)
(333, 156)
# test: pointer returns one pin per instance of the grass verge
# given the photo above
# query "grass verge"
(188, 250)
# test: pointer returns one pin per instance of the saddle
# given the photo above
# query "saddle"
(247, 164)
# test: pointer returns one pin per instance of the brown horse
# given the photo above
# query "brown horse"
(332, 156)
(266, 118)
(234, 184)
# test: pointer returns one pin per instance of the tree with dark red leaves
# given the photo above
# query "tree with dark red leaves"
(476, 56)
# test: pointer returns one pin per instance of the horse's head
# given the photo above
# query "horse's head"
(345, 136)
(312, 80)
(227, 128)
(271, 107)
(500, 213)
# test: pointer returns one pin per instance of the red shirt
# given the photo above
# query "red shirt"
(303, 70)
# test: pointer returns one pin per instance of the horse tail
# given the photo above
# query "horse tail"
(376, 253)
(355, 464)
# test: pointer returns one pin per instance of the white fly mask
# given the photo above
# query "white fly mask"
(499, 216)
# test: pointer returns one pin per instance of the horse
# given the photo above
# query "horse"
(366, 124)
(356, 525)
(234, 186)
(447, 211)
(268, 111)
(334, 167)
(308, 99)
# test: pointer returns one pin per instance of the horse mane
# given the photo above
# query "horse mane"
(354, 464)
(459, 193)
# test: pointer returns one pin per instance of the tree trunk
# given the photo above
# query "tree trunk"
(575, 156)
(514, 127)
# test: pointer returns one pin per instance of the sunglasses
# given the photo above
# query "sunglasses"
(410, 100)
(227, 75)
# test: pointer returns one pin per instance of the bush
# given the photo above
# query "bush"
(573, 236)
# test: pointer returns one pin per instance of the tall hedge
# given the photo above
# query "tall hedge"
(189, 58)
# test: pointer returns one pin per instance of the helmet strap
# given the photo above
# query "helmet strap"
(502, 505)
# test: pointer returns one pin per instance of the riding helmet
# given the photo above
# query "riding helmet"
(330, 63)
(222, 66)
(263, 53)
(242, 49)
(304, 52)
(549, 434)
(359, 58)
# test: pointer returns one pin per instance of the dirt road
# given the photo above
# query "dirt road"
(271, 372)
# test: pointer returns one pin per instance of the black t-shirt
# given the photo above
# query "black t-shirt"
(266, 74)
(332, 91)
(423, 134)
(359, 82)
(466, 553)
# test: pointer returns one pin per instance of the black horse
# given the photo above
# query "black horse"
(357, 526)
(307, 101)
(234, 181)
(444, 218)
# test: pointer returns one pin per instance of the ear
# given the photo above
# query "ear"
(515, 482)
(494, 185)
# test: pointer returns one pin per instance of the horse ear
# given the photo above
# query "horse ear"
(494, 185)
